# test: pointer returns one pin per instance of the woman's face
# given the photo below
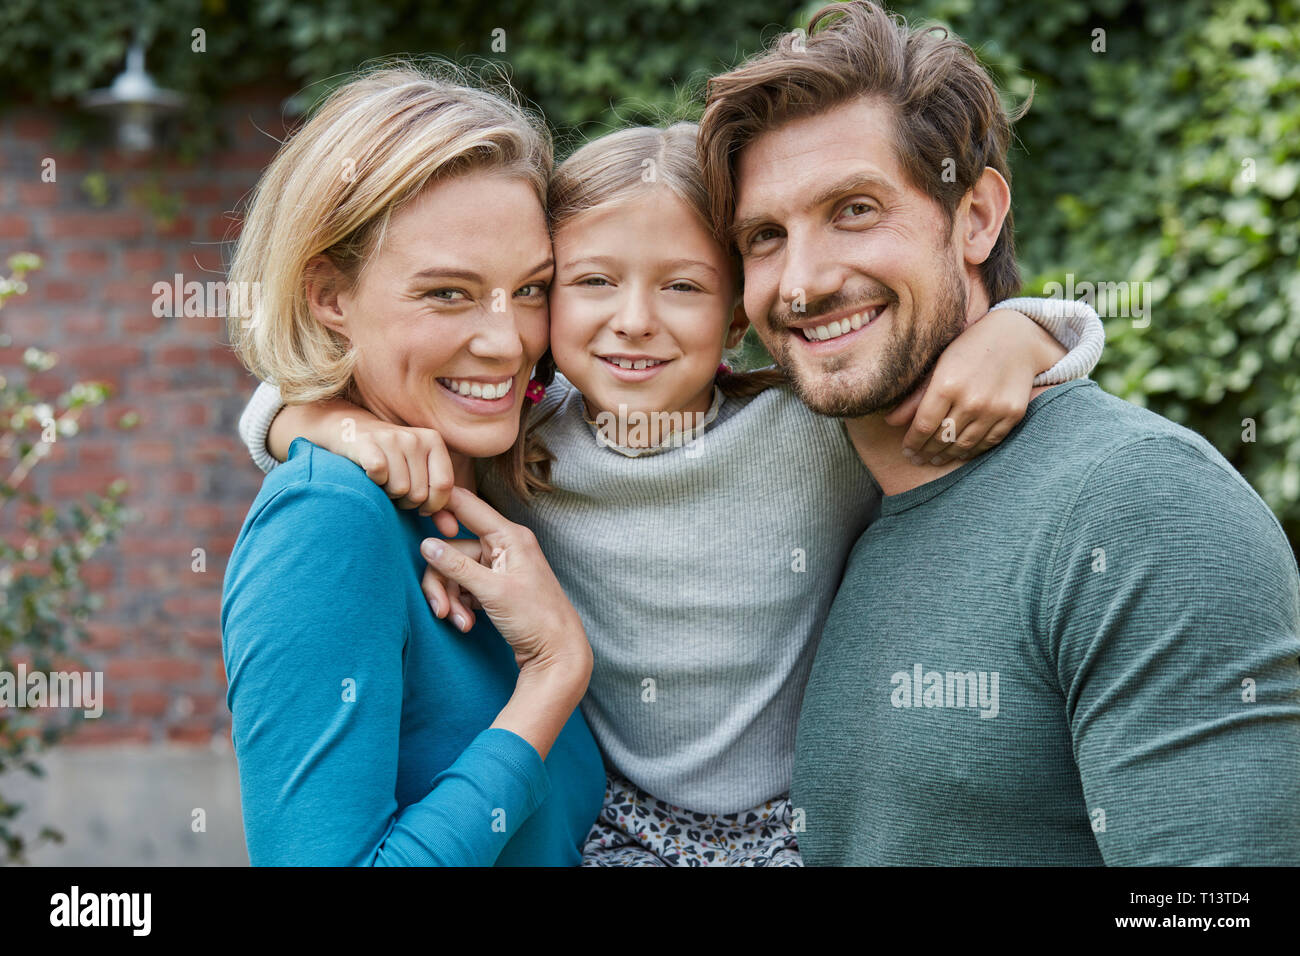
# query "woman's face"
(449, 315)
(642, 284)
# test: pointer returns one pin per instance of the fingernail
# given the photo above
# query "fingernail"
(431, 548)
(459, 621)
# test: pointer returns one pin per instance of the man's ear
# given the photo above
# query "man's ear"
(981, 214)
(739, 325)
(324, 285)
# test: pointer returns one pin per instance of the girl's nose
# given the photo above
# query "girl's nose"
(635, 319)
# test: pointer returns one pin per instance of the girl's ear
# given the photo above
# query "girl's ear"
(739, 325)
(324, 283)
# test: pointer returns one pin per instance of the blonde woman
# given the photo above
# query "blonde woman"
(400, 248)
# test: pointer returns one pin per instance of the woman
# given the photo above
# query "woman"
(367, 731)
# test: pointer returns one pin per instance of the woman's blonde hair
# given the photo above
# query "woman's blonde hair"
(620, 166)
(370, 147)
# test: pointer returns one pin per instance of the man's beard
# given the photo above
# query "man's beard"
(902, 365)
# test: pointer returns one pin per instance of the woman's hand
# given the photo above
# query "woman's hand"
(979, 389)
(507, 575)
(411, 464)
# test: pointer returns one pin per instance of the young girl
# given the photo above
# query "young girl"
(698, 519)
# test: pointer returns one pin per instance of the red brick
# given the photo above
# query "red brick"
(174, 482)
(38, 194)
(102, 636)
(142, 321)
(152, 668)
(112, 355)
(85, 324)
(98, 576)
(15, 227)
(30, 126)
(203, 605)
(87, 261)
(135, 261)
(149, 703)
(188, 415)
(178, 355)
(93, 453)
(63, 290)
(180, 227)
(204, 516)
(95, 225)
(151, 453)
(79, 483)
(196, 195)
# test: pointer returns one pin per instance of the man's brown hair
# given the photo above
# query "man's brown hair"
(949, 123)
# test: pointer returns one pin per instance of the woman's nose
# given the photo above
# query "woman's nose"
(499, 337)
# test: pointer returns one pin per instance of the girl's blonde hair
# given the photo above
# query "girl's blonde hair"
(370, 147)
(620, 166)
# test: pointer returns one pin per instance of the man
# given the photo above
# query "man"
(1079, 648)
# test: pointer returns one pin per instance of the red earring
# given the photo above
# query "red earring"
(724, 369)
(535, 391)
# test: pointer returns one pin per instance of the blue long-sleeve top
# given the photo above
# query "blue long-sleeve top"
(360, 721)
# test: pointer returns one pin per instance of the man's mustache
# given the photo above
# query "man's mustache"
(833, 304)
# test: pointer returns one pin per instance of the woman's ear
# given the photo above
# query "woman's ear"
(324, 284)
(739, 325)
(984, 210)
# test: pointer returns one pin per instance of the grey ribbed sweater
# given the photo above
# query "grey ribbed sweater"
(704, 573)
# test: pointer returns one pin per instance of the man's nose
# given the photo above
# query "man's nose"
(809, 272)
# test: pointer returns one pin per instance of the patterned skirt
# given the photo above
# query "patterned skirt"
(635, 829)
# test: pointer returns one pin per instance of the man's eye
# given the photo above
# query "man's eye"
(532, 290)
(447, 295)
(760, 236)
(858, 208)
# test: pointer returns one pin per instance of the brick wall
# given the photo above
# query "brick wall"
(190, 481)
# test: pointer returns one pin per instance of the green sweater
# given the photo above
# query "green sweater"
(1080, 648)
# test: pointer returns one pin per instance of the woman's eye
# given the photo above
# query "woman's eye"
(446, 295)
(532, 290)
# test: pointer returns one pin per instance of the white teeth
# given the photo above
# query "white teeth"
(488, 390)
(633, 363)
(840, 327)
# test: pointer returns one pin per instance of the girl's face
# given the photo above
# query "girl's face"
(453, 303)
(642, 306)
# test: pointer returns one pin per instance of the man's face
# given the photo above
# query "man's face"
(851, 277)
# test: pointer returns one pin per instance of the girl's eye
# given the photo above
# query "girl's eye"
(683, 286)
(596, 281)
